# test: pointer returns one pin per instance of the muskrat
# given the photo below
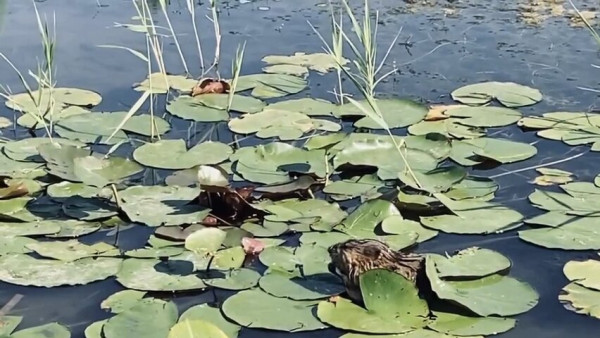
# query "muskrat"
(353, 257)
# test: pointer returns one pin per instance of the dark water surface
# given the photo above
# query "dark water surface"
(442, 47)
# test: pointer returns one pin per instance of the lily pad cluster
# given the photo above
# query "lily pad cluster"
(573, 128)
(582, 294)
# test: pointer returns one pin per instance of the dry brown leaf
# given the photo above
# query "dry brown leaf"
(210, 86)
(436, 112)
(12, 191)
(547, 180)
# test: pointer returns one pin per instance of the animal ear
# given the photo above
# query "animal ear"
(372, 252)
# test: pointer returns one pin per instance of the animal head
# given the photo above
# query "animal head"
(357, 255)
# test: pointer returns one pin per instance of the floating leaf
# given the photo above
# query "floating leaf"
(190, 108)
(508, 93)
(10, 245)
(283, 124)
(320, 62)
(392, 306)
(18, 169)
(266, 86)
(72, 250)
(196, 329)
(239, 279)
(26, 270)
(485, 116)
(173, 154)
(88, 209)
(153, 252)
(293, 286)
(122, 300)
(396, 114)
(97, 127)
(450, 128)
(9, 324)
(212, 315)
(66, 189)
(397, 225)
(320, 214)
(367, 187)
(472, 187)
(52, 330)
(491, 295)
(257, 309)
(12, 229)
(294, 70)
(172, 275)
(579, 234)
(150, 318)
(454, 324)
(586, 273)
(581, 300)
(73, 228)
(240, 103)
(157, 205)
(308, 106)
(27, 149)
(205, 241)
(472, 262)
(62, 97)
(473, 217)
(571, 128)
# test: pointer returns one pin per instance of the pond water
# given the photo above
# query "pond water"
(443, 46)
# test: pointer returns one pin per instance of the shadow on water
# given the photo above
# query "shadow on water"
(442, 47)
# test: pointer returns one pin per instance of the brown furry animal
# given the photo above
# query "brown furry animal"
(352, 258)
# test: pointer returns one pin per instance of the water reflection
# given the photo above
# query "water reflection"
(2, 14)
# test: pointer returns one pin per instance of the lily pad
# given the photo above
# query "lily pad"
(66, 189)
(18, 169)
(72, 250)
(491, 295)
(240, 279)
(473, 217)
(267, 86)
(320, 214)
(16, 245)
(196, 329)
(51, 330)
(392, 305)
(97, 127)
(396, 114)
(320, 62)
(72, 228)
(205, 241)
(153, 252)
(308, 106)
(159, 83)
(573, 128)
(12, 229)
(212, 315)
(150, 318)
(294, 70)
(397, 225)
(282, 124)
(9, 324)
(508, 94)
(26, 270)
(472, 262)
(581, 300)
(586, 273)
(27, 149)
(240, 103)
(157, 205)
(293, 286)
(190, 108)
(454, 324)
(485, 116)
(172, 275)
(580, 234)
(122, 300)
(257, 309)
(173, 154)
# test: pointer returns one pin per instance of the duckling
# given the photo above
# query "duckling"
(354, 257)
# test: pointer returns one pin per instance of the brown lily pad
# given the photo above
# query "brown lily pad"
(210, 86)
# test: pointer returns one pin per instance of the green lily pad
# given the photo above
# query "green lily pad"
(319, 213)
(72, 250)
(167, 251)
(81, 165)
(159, 83)
(190, 108)
(66, 189)
(257, 309)
(51, 330)
(450, 128)
(240, 279)
(267, 86)
(396, 114)
(454, 324)
(323, 239)
(473, 217)
(392, 305)
(291, 285)
(27, 149)
(15, 245)
(308, 106)
(13, 229)
(268, 163)
(581, 300)
(212, 315)
(267, 229)
(366, 187)
(196, 329)
(586, 273)
(173, 154)
(63, 97)
(282, 124)
(240, 103)
(472, 187)
(485, 116)
(150, 318)
(579, 234)
(508, 93)
(157, 205)
(205, 241)
(18, 169)
(26, 270)
(9, 324)
(72, 228)
(97, 127)
(472, 262)
(433, 181)
(320, 62)
(491, 295)
(122, 300)
(294, 70)
(171, 275)
(573, 128)
(471, 152)
(397, 225)
(94, 330)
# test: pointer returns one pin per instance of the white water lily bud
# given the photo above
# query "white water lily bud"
(211, 176)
